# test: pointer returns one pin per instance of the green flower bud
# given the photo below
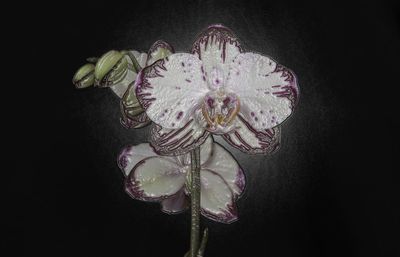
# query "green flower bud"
(84, 77)
(110, 69)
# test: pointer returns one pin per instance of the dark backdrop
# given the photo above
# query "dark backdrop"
(330, 190)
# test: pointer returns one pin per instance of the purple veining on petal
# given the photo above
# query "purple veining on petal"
(122, 159)
(170, 144)
(138, 121)
(217, 34)
(290, 92)
(188, 80)
(269, 139)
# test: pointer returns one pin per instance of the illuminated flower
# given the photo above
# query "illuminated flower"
(217, 89)
(164, 179)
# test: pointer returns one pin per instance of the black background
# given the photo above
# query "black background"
(330, 190)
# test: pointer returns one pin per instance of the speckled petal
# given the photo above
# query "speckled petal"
(176, 203)
(223, 163)
(216, 46)
(131, 155)
(251, 141)
(217, 200)
(154, 179)
(160, 49)
(171, 90)
(267, 91)
(120, 88)
(177, 141)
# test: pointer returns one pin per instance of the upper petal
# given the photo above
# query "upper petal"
(159, 50)
(223, 164)
(217, 200)
(177, 141)
(216, 46)
(154, 179)
(267, 91)
(252, 141)
(131, 155)
(171, 89)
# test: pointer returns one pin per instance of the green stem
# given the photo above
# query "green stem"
(135, 63)
(195, 202)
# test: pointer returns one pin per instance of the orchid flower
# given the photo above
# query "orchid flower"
(217, 89)
(167, 179)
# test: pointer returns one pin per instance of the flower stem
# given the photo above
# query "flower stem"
(195, 202)
(135, 63)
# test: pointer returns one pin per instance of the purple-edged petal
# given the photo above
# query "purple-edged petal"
(217, 200)
(267, 91)
(137, 121)
(177, 141)
(251, 141)
(159, 50)
(223, 164)
(171, 90)
(216, 46)
(131, 155)
(120, 88)
(176, 203)
(154, 179)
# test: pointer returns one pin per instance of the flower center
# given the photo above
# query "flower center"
(219, 108)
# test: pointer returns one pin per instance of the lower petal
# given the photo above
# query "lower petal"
(154, 179)
(131, 155)
(177, 141)
(217, 201)
(223, 163)
(176, 203)
(251, 141)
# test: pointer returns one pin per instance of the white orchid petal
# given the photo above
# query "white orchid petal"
(177, 141)
(251, 141)
(217, 200)
(154, 179)
(223, 163)
(267, 91)
(216, 46)
(206, 150)
(176, 203)
(131, 155)
(171, 89)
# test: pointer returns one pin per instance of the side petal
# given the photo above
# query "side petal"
(131, 155)
(176, 203)
(159, 50)
(171, 89)
(223, 164)
(252, 141)
(217, 201)
(267, 91)
(154, 179)
(177, 141)
(120, 88)
(216, 46)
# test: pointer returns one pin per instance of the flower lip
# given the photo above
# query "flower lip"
(219, 109)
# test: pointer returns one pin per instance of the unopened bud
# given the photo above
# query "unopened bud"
(84, 77)
(110, 69)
